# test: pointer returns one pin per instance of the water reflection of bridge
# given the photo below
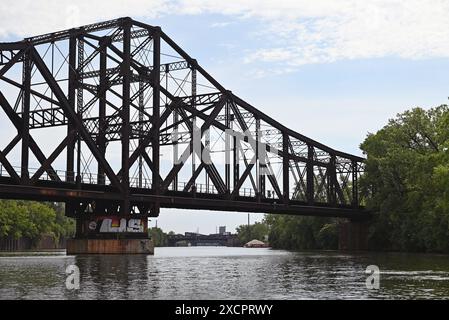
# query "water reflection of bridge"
(195, 239)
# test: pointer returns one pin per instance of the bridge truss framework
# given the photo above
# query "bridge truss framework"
(76, 99)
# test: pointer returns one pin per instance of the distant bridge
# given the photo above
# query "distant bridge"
(194, 239)
(115, 118)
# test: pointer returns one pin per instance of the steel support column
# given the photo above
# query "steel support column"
(235, 160)
(355, 191)
(70, 176)
(156, 184)
(126, 73)
(285, 168)
(27, 65)
(332, 181)
(258, 173)
(310, 175)
(141, 111)
(80, 107)
(227, 149)
(101, 139)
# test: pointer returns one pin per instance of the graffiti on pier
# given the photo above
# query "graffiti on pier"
(116, 225)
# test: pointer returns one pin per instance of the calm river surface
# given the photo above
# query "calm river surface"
(224, 273)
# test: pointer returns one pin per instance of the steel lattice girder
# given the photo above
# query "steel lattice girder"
(116, 65)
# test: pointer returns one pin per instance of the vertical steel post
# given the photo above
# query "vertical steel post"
(156, 115)
(175, 135)
(235, 160)
(227, 149)
(27, 65)
(355, 191)
(80, 107)
(194, 121)
(310, 175)
(70, 176)
(126, 72)
(285, 168)
(141, 109)
(258, 184)
(262, 164)
(101, 138)
(332, 180)
(207, 147)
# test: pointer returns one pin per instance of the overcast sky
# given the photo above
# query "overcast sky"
(332, 70)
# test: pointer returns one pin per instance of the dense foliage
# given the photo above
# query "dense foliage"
(407, 182)
(33, 219)
(407, 172)
(158, 236)
(302, 233)
(258, 231)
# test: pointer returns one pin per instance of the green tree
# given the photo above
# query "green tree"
(13, 219)
(32, 220)
(258, 230)
(301, 232)
(159, 237)
(406, 175)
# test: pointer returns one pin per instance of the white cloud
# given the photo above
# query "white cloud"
(299, 31)
(410, 29)
(221, 24)
(31, 17)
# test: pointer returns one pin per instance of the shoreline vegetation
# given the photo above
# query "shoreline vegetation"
(24, 224)
(406, 176)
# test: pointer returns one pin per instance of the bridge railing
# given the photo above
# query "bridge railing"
(94, 179)
(136, 182)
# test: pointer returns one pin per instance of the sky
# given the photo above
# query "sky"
(331, 70)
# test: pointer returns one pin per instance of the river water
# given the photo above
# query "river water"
(224, 273)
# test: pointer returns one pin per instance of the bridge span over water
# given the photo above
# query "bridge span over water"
(116, 120)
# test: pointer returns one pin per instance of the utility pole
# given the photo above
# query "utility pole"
(249, 230)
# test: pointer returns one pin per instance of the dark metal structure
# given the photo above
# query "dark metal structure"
(103, 117)
(194, 239)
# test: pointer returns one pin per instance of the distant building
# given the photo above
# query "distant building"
(222, 230)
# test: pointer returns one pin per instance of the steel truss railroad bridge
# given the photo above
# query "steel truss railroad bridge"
(73, 100)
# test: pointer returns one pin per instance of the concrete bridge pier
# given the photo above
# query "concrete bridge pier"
(111, 235)
(353, 235)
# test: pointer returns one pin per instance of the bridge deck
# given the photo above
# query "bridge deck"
(203, 199)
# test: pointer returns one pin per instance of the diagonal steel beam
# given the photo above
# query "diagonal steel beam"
(147, 159)
(11, 62)
(17, 122)
(72, 116)
(178, 166)
(147, 139)
(273, 181)
(9, 168)
(103, 43)
(210, 168)
(192, 179)
(11, 145)
(33, 92)
(67, 140)
(243, 177)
